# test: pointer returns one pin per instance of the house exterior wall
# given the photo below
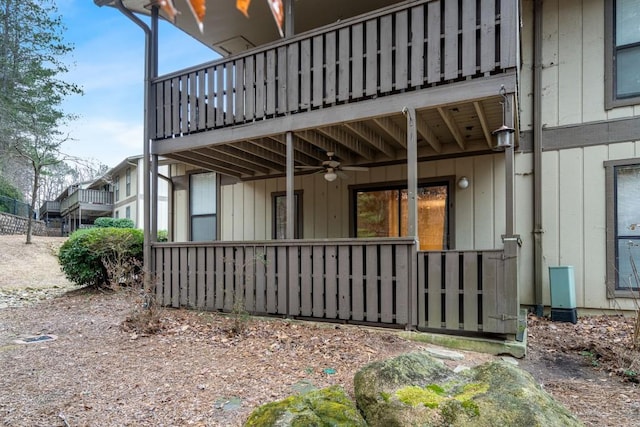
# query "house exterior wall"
(573, 173)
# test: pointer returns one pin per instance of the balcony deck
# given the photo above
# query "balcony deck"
(91, 200)
(343, 88)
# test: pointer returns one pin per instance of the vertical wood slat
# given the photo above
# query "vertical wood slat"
(330, 68)
(402, 50)
(293, 284)
(160, 270)
(344, 288)
(331, 288)
(238, 267)
(271, 83)
(417, 46)
(422, 289)
(487, 36)
(386, 63)
(344, 70)
(272, 282)
(452, 291)
(305, 74)
(229, 96)
(183, 278)
(250, 279)
(219, 278)
(357, 278)
(261, 281)
(292, 77)
(201, 106)
(229, 291)
(451, 40)
(192, 94)
(175, 101)
(386, 284)
(317, 79)
(184, 104)
(158, 129)
(281, 79)
(402, 284)
(468, 37)
(306, 303)
(200, 270)
(508, 33)
(210, 301)
(168, 272)
(357, 61)
(191, 278)
(433, 42)
(168, 105)
(317, 264)
(371, 275)
(211, 98)
(489, 292)
(434, 290)
(371, 61)
(238, 99)
(250, 89)
(220, 95)
(260, 90)
(470, 288)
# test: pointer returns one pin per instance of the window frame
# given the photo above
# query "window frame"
(127, 212)
(215, 215)
(611, 228)
(128, 182)
(297, 207)
(449, 181)
(116, 188)
(610, 50)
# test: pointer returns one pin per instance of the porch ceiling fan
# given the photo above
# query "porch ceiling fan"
(332, 168)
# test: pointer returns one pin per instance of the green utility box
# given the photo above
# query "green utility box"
(563, 294)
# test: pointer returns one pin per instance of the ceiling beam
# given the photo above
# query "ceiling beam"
(220, 154)
(275, 146)
(372, 138)
(303, 146)
(346, 139)
(253, 147)
(427, 134)
(325, 143)
(453, 127)
(212, 157)
(186, 158)
(234, 151)
(397, 133)
(483, 123)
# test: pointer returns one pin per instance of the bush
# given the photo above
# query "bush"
(106, 222)
(88, 255)
(163, 236)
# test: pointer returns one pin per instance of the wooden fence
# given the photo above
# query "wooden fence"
(417, 44)
(382, 282)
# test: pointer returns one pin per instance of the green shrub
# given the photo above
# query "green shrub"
(163, 236)
(105, 222)
(87, 254)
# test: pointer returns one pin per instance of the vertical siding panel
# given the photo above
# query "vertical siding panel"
(344, 288)
(271, 82)
(344, 71)
(487, 36)
(220, 95)
(238, 103)
(422, 289)
(386, 284)
(201, 269)
(331, 289)
(175, 277)
(292, 78)
(451, 40)
(305, 74)
(330, 68)
(464, 203)
(570, 69)
(470, 287)
(386, 63)
(417, 46)
(281, 81)
(250, 89)
(434, 290)
(357, 280)
(433, 46)
(306, 281)
(273, 281)
(402, 285)
(317, 275)
(293, 277)
(357, 63)
(452, 289)
(372, 283)
(402, 47)
(318, 71)
(509, 32)
(468, 37)
(260, 90)
(483, 206)
(371, 85)
(490, 277)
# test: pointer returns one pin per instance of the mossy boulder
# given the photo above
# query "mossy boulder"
(321, 408)
(416, 389)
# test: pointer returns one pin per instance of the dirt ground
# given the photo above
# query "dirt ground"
(197, 372)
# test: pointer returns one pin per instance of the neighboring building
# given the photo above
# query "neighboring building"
(458, 235)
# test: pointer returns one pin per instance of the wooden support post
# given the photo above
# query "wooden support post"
(509, 174)
(289, 203)
(412, 228)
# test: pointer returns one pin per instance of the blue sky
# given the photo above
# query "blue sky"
(108, 63)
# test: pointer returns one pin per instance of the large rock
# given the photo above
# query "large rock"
(322, 408)
(416, 389)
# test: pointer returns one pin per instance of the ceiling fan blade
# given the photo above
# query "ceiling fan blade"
(331, 164)
(310, 167)
(354, 168)
(342, 175)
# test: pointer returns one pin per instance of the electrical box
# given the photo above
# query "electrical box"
(563, 294)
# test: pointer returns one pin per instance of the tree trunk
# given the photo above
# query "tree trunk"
(34, 197)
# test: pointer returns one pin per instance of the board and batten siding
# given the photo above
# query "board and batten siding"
(572, 65)
(574, 219)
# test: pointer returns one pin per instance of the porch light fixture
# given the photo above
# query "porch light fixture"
(463, 182)
(330, 175)
(504, 134)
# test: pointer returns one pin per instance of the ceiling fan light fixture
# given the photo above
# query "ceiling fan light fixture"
(330, 175)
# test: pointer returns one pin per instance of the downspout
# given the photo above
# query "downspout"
(150, 64)
(537, 157)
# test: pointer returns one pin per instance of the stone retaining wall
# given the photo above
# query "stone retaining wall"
(12, 224)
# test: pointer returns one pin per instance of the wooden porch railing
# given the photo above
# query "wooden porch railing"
(416, 45)
(348, 280)
(92, 197)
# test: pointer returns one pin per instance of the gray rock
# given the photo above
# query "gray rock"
(439, 353)
(416, 389)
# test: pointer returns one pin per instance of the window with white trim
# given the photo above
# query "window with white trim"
(623, 52)
(203, 206)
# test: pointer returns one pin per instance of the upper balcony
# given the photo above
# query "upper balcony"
(49, 207)
(343, 88)
(94, 200)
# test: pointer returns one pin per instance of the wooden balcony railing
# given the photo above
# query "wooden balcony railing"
(87, 197)
(49, 207)
(416, 45)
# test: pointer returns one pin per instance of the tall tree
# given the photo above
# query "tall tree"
(32, 53)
